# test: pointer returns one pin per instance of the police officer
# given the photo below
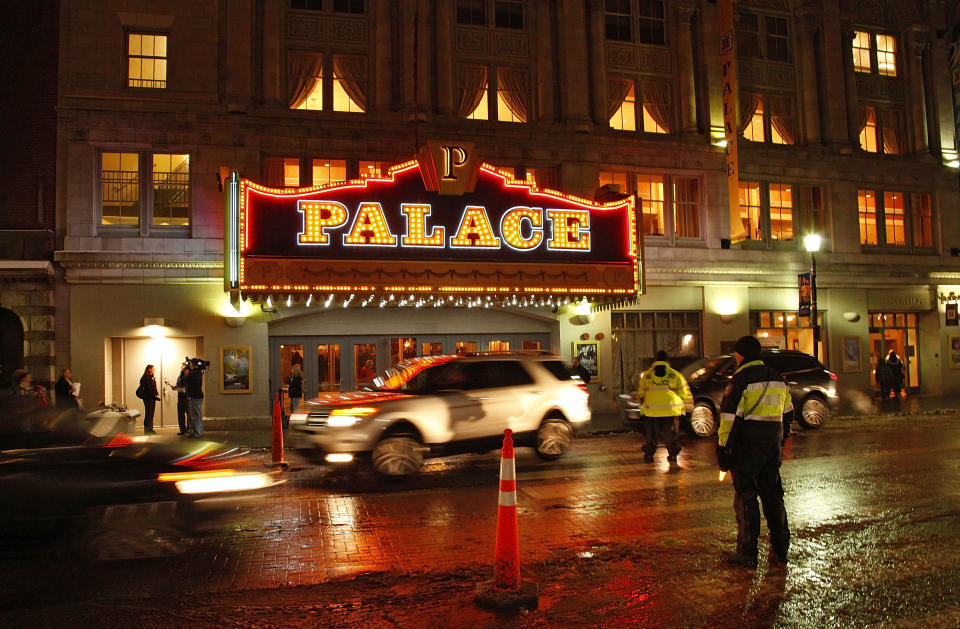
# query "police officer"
(183, 407)
(663, 394)
(755, 417)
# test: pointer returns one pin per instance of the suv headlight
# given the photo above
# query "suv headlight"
(345, 417)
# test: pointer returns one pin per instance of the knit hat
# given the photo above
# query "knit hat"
(748, 347)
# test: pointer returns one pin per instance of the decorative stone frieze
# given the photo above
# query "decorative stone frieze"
(652, 59)
(325, 28)
(768, 74)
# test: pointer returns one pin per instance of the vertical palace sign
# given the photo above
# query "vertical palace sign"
(439, 226)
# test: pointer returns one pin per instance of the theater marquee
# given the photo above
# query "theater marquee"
(437, 227)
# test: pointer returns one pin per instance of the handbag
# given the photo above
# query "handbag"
(730, 454)
(141, 393)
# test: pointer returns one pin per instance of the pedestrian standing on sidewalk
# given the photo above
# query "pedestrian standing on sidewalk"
(183, 410)
(895, 369)
(755, 417)
(884, 378)
(147, 391)
(663, 394)
(195, 398)
(65, 400)
(295, 387)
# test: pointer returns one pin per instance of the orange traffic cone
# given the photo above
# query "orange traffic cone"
(506, 590)
(278, 459)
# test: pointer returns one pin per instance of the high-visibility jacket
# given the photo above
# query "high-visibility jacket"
(759, 395)
(663, 391)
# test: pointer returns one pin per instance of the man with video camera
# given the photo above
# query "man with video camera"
(195, 396)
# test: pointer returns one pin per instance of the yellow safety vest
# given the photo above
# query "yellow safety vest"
(663, 396)
(760, 401)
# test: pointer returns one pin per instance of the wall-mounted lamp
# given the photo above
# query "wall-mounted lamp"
(954, 163)
(234, 322)
(852, 317)
(727, 318)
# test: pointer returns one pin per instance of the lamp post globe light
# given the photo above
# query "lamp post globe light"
(811, 242)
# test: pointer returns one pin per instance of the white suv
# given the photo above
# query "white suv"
(441, 405)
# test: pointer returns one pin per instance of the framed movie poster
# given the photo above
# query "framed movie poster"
(851, 354)
(954, 352)
(235, 369)
(588, 353)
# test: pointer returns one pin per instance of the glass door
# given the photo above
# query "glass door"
(328, 368)
(290, 355)
(895, 331)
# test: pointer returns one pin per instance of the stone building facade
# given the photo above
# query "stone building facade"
(846, 129)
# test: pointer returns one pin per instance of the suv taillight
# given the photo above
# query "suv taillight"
(834, 376)
(583, 387)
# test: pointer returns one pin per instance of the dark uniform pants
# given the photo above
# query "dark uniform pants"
(182, 413)
(666, 428)
(758, 476)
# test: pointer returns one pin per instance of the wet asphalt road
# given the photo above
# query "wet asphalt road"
(873, 502)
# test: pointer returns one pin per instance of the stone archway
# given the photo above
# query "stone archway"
(11, 345)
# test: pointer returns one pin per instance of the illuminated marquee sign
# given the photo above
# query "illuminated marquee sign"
(418, 229)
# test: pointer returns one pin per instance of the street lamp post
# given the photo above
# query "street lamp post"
(811, 243)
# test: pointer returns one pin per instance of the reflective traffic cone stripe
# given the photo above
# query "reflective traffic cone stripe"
(506, 565)
(277, 432)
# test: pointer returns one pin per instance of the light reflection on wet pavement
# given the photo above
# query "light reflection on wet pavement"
(873, 505)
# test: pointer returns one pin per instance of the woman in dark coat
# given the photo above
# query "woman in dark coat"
(895, 373)
(65, 400)
(149, 394)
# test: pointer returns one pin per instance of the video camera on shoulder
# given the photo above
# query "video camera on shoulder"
(200, 363)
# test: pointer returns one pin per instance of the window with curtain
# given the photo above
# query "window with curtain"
(326, 171)
(921, 214)
(671, 205)
(145, 190)
(874, 53)
(761, 36)
(655, 112)
(326, 82)
(510, 89)
(881, 130)
(296, 172)
(512, 93)
(686, 207)
(891, 218)
(812, 211)
(768, 118)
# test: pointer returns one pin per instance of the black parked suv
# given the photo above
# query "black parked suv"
(812, 387)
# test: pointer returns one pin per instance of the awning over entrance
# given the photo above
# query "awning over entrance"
(412, 237)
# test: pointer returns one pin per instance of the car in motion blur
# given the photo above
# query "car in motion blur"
(118, 497)
(442, 405)
(813, 389)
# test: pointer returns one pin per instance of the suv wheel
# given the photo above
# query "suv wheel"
(813, 412)
(703, 422)
(554, 438)
(398, 455)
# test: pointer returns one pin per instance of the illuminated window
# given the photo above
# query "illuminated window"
(373, 169)
(120, 188)
(875, 53)
(750, 209)
(868, 132)
(768, 211)
(291, 172)
(171, 189)
(313, 85)
(881, 130)
(326, 171)
(867, 202)
(650, 191)
(768, 118)
(510, 89)
(146, 60)
(762, 37)
(670, 206)
(655, 110)
(890, 218)
(894, 219)
(144, 190)
(644, 18)
(861, 52)
(781, 212)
